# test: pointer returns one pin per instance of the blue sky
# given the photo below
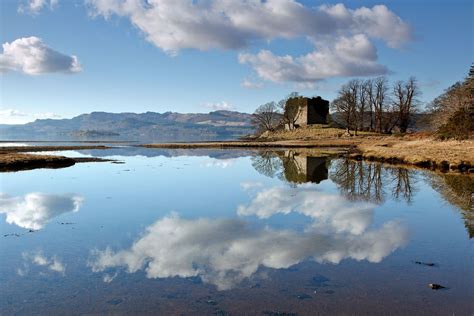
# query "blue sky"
(124, 67)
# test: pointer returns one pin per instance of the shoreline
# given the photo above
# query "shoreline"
(447, 156)
(425, 153)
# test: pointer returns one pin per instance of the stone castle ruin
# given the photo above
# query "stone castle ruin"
(311, 111)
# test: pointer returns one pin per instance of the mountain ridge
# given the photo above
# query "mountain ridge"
(218, 125)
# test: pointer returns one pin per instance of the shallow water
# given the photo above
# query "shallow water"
(234, 232)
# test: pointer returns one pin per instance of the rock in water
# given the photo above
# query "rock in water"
(430, 264)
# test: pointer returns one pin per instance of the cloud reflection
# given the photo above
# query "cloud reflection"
(39, 259)
(219, 163)
(34, 210)
(330, 212)
(224, 252)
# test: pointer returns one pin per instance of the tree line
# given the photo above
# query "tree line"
(452, 113)
(374, 105)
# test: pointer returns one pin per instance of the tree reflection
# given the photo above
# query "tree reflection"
(359, 180)
(370, 181)
(402, 181)
(267, 163)
(457, 190)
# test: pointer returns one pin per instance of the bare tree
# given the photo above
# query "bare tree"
(345, 105)
(353, 87)
(266, 117)
(369, 93)
(377, 90)
(362, 104)
(405, 102)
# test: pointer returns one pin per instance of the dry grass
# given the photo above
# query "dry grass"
(425, 152)
(313, 132)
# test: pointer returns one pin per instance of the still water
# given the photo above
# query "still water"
(184, 232)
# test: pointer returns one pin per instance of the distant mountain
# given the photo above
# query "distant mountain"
(168, 126)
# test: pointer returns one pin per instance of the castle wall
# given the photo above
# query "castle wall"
(315, 111)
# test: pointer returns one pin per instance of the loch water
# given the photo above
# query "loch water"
(234, 232)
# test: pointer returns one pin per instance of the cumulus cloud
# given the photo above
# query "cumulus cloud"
(35, 6)
(348, 56)
(32, 56)
(224, 252)
(35, 210)
(39, 259)
(13, 116)
(219, 106)
(229, 24)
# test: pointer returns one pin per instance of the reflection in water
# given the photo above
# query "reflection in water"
(220, 163)
(457, 190)
(268, 163)
(292, 166)
(224, 252)
(329, 212)
(53, 264)
(34, 210)
(369, 181)
(300, 168)
(358, 180)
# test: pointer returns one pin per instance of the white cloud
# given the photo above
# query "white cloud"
(229, 24)
(35, 6)
(54, 264)
(12, 116)
(219, 106)
(32, 56)
(251, 84)
(225, 252)
(35, 210)
(354, 56)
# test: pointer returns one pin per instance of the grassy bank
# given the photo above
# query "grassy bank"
(427, 153)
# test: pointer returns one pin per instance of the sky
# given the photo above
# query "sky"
(62, 58)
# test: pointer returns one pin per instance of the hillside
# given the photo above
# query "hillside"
(168, 126)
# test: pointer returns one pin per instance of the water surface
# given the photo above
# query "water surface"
(234, 232)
